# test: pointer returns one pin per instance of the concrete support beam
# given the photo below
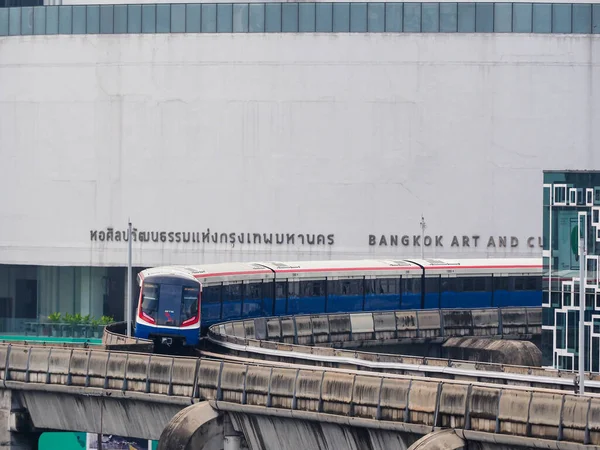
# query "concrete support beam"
(440, 440)
(16, 429)
(197, 427)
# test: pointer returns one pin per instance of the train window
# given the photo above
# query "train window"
(501, 283)
(412, 286)
(150, 300)
(189, 306)
(254, 299)
(345, 295)
(527, 283)
(312, 288)
(232, 300)
(169, 308)
(280, 297)
(432, 285)
(211, 294)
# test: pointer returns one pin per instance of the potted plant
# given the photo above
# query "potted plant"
(95, 327)
(85, 321)
(54, 320)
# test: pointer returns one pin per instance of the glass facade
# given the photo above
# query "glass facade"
(30, 295)
(357, 17)
(571, 211)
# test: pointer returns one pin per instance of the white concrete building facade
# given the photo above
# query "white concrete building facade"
(223, 144)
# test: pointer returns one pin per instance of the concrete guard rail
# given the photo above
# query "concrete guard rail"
(276, 339)
(375, 400)
(114, 337)
(374, 328)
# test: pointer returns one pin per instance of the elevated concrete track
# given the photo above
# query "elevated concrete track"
(304, 392)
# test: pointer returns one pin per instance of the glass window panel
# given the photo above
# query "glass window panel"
(3, 21)
(393, 17)
(192, 18)
(289, 17)
(39, 20)
(224, 18)
(358, 17)
(448, 17)
(148, 18)
(134, 18)
(256, 18)
(582, 18)
(306, 17)
(484, 17)
(430, 13)
(106, 19)
(412, 17)
(14, 21)
(324, 17)
(163, 18)
(503, 17)
(52, 20)
(273, 17)
(120, 24)
(27, 20)
(341, 17)
(65, 19)
(178, 18)
(466, 17)
(93, 19)
(79, 19)
(240, 18)
(542, 15)
(561, 18)
(376, 17)
(596, 18)
(522, 18)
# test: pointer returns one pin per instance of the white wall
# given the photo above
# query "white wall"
(338, 134)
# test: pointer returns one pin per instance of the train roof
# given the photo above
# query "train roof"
(213, 273)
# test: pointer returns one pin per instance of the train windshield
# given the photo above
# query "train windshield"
(170, 304)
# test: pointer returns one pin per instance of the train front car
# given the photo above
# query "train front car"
(169, 307)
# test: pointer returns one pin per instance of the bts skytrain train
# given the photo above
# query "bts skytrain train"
(178, 303)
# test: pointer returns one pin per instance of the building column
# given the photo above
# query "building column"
(17, 431)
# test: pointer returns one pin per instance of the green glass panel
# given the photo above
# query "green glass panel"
(273, 17)
(412, 17)
(324, 17)
(14, 21)
(79, 19)
(341, 17)
(178, 18)
(27, 20)
(306, 17)
(430, 17)
(393, 17)
(193, 22)
(484, 17)
(289, 17)
(522, 17)
(134, 18)
(561, 18)
(39, 20)
(163, 18)
(106, 19)
(52, 20)
(358, 17)
(120, 24)
(542, 18)
(256, 18)
(466, 17)
(448, 17)
(93, 19)
(209, 18)
(503, 17)
(376, 17)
